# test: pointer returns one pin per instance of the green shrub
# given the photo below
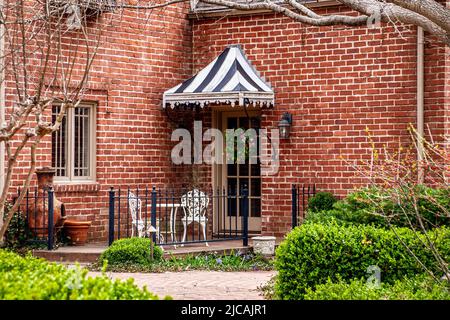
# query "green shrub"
(322, 201)
(313, 253)
(416, 288)
(28, 278)
(372, 205)
(131, 251)
(17, 233)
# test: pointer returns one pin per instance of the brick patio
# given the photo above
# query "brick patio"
(200, 285)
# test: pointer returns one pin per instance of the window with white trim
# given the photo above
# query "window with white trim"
(73, 145)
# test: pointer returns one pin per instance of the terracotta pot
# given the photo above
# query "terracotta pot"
(38, 210)
(77, 231)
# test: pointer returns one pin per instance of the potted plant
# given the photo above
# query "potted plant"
(76, 231)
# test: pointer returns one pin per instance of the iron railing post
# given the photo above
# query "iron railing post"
(111, 215)
(245, 216)
(50, 219)
(294, 206)
(153, 213)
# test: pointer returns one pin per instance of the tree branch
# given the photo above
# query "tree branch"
(430, 9)
(311, 19)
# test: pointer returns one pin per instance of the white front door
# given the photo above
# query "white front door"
(237, 176)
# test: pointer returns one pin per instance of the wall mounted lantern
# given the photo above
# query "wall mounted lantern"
(285, 125)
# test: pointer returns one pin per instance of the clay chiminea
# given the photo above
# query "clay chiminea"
(38, 208)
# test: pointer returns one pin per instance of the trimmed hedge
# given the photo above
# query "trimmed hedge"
(29, 278)
(365, 206)
(416, 288)
(322, 201)
(131, 251)
(313, 253)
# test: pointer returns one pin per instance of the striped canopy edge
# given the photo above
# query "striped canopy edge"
(228, 79)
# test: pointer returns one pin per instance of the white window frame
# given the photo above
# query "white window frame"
(70, 178)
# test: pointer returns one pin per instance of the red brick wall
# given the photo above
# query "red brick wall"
(336, 81)
(140, 56)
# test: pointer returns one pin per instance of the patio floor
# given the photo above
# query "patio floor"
(90, 252)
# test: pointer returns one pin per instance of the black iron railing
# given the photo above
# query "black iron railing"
(178, 217)
(300, 197)
(34, 219)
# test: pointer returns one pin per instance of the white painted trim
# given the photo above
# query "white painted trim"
(70, 179)
(261, 99)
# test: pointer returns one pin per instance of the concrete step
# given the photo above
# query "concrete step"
(90, 252)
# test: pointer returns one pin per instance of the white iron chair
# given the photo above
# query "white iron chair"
(195, 204)
(135, 207)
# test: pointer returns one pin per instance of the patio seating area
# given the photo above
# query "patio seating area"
(174, 218)
(180, 222)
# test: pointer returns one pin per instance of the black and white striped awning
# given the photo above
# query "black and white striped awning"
(229, 79)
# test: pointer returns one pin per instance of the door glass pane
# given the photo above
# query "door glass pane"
(243, 123)
(244, 175)
(232, 185)
(232, 170)
(232, 207)
(255, 169)
(255, 207)
(243, 169)
(255, 123)
(243, 183)
(255, 189)
(232, 123)
(232, 201)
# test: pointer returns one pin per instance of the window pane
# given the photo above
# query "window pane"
(81, 142)
(59, 145)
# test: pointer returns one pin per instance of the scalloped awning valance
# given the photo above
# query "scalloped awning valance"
(229, 79)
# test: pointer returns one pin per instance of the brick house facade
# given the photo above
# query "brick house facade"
(335, 81)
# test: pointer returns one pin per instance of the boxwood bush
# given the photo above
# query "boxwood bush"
(29, 278)
(313, 253)
(417, 288)
(131, 251)
(322, 201)
(365, 206)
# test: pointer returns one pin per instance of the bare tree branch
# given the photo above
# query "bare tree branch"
(428, 14)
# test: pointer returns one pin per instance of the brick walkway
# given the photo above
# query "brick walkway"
(201, 285)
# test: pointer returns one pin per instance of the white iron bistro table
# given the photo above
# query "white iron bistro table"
(173, 215)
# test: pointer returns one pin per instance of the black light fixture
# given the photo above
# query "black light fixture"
(285, 125)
